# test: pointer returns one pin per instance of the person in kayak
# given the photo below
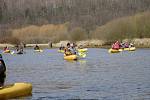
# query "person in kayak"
(122, 45)
(2, 71)
(126, 45)
(68, 50)
(131, 45)
(73, 48)
(116, 45)
(5, 48)
(36, 47)
(19, 49)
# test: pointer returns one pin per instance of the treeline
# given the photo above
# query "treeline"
(79, 12)
(84, 15)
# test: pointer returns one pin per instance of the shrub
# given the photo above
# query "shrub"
(78, 34)
(137, 26)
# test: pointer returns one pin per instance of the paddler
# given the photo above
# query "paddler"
(36, 47)
(68, 50)
(5, 48)
(116, 45)
(73, 48)
(2, 71)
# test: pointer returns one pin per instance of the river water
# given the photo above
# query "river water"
(103, 76)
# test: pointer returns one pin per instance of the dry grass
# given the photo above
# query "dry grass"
(129, 27)
(50, 32)
(137, 26)
(78, 34)
(9, 39)
(41, 34)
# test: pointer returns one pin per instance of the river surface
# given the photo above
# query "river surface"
(103, 76)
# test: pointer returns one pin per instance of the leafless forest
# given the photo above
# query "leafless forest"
(20, 20)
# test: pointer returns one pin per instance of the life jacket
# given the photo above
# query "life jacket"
(126, 45)
(67, 52)
(115, 46)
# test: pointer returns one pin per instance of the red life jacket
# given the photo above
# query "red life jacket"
(115, 46)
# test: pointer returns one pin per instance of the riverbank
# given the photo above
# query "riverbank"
(139, 43)
(4, 45)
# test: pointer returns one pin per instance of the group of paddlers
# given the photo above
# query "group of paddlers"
(19, 49)
(70, 49)
(117, 45)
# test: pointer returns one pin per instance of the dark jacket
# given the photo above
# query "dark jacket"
(2, 72)
(2, 66)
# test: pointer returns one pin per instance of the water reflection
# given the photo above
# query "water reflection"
(83, 62)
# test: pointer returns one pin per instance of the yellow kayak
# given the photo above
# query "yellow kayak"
(83, 50)
(130, 49)
(82, 54)
(15, 90)
(61, 51)
(39, 50)
(6, 51)
(120, 50)
(70, 57)
(113, 51)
